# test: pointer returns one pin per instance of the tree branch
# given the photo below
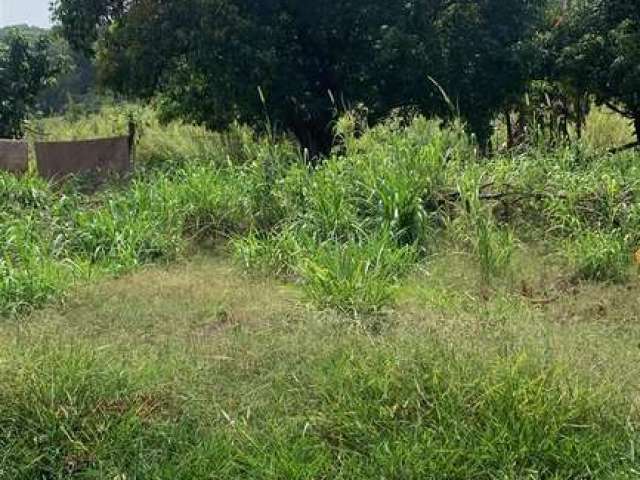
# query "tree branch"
(618, 110)
(628, 146)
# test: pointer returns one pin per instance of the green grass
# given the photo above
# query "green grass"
(601, 257)
(412, 185)
(197, 372)
(403, 310)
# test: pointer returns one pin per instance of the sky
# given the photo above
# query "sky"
(32, 12)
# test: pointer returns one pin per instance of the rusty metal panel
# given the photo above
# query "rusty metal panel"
(59, 159)
(14, 156)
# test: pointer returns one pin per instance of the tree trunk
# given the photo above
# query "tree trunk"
(315, 138)
(579, 115)
(510, 139)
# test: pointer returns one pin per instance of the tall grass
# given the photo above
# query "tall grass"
(606, 129)
(404, 183)
(492, 245)
(356, 277)
(601, 257)
(299, 399)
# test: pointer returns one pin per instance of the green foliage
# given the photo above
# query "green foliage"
(277, 255)
(350, 407)
(596, 49)
(491, 245)
(401, 187)
(25, 69)
(72, 78)
(602, 257)
(195, 372)
(355, 277)
(604, 129)
(89, 410)
(214, 62)
(138, 227)
(31, 284)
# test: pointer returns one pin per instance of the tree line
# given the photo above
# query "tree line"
(296, 64)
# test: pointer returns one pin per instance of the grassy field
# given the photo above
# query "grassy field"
(195, 371)
(404, 310)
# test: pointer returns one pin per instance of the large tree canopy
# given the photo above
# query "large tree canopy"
(208, 59)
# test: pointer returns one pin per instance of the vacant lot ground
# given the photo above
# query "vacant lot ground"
(198, 371)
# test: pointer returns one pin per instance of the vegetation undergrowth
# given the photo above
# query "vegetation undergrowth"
(348, 230)
(205, 374)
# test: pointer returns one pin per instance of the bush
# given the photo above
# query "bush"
(602, 257)
(140, 226)
(355, 277)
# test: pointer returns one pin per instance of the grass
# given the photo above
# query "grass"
(356, 277)
(606, 129)
(403, 310)
(410, 184)
(601, 257)
(193, 371)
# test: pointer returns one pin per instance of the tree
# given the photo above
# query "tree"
(298, 62)
(74, 80)
(597, 49)
(486, 56)
(24, 70)
(84, 21)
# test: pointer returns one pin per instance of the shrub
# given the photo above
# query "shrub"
(599, 256)
(276, 255)
(356, 277)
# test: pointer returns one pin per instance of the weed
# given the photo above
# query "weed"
(356, 277)
(599, 256)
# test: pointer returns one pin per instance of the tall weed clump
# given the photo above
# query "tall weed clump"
(356, 277)
(138, 226)
(356, 221)
(600, 256)
(33, 269)
(492, 245)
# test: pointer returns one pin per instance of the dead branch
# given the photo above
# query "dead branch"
(623, 148)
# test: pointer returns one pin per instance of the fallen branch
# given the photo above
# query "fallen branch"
(617, 109)
(544, 301)
(454, 196)
(623, 148)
